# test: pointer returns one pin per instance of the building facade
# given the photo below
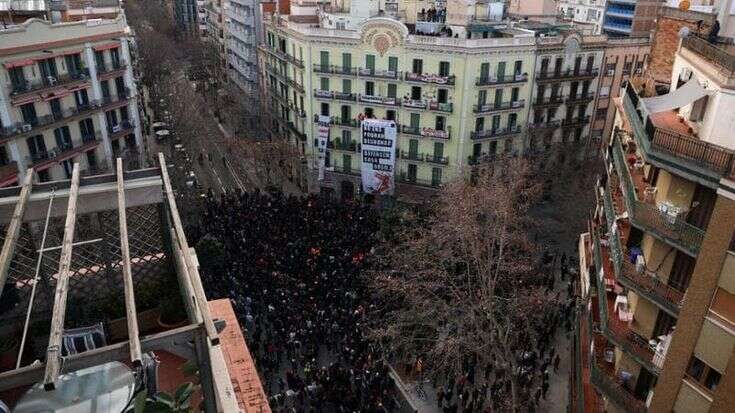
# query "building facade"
(633, 18)
(186, 15)
(656, 329)
(584, 11)
(68, 96)
(241, 44)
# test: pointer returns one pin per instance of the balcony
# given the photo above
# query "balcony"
(121, 129)
(499, 107)
(8, 173)
(501, 80)
(428, 78)
(44, 160)
(26, 87)
(339, 121)
(299, 134)
(580, 98)
(543, 125)
(338, 145)
(440, 160)
(613, 319)
(722, 56)
(495, 133)
(575, 122)
(670, 149)
(109, 68)
(427, 132)
(379, 100)
(405, 178)
(380, 74)
(569, 74)
(412, 156)
(644, 282)
(337, 70)
(60, 118)
(282, 55)
(350, 97)
(613, 388)
(547, 101)
(299, 87)
(646, 216)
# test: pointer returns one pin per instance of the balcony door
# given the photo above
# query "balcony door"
(501, 71)
(577, 64)
(29, 114)
(415, 121)
(73, 64)
(55, 106)
(82, 98)
(48, 70)
(86, 128)
(346, 113)
(484, 71)
(37, 147)
(413, 148)
(346, 61)
(115, 57)
(63, 138)
(412, 172)
(17, 78)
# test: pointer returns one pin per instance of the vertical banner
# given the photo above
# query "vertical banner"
(378, 156)
(322, 138)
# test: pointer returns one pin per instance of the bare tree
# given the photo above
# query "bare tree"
(466, 286)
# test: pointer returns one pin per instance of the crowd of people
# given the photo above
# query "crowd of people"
(292, 270)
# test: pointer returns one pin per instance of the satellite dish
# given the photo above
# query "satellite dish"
(684, 32)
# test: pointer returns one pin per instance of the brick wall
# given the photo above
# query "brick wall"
(664, 46)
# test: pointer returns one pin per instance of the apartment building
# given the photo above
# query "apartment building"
(656, 329)
(624, 58)
(218, 28)
(67, 96)
(186, 15)
(590, 12)
(630, 17)
(242, 16)
(460, 101)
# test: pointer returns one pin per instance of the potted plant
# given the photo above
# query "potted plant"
(163, 402)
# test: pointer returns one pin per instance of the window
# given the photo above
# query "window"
(508, 145)
(416, 92)
(440, 123)
(63, 138)
(484, 71)
(442, 95)
(347, 162)
(418, 66)
(325, 109)
(703, 374)
(17, 79)
(498, 97)
(698, 109)
(393, 64)
(324, 83)
(501, 70)
(512, 120)
(345, 112)
(415, 120)
(627, 67)
(346, 86)
(370, 62)
(481, 97)
(346, 61)
(518, 68)
(29, 114)
(610, 69)
(479, 124)
(604, 91)
(346, 136)
(86, 128)
(324, 59)
(99, 60)
(514, 94)
(370, 88)
(81, 97)
(436, 176)
(496, 123)
(412, 172)
(392, 90)
(105, 84)
(115, 57)
(443, 68)
(390, 114)
(413, 148)
(37, 147)
(438, 149)
(577, 64)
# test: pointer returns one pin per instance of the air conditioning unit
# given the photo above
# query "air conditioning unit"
(27, 127)
(51, 80)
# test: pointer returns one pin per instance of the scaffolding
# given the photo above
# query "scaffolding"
(76, 252)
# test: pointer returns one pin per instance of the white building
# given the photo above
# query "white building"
(584, 11)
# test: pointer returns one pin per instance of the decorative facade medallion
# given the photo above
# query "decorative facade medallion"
(383, 33)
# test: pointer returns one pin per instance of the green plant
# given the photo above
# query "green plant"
(163, 402)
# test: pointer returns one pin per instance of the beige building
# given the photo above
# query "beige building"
(657, 328)
(67, 96)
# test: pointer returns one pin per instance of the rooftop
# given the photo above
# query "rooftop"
(97, 280)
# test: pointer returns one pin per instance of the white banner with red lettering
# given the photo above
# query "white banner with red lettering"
(378, 156)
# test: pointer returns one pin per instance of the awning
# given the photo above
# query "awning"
(688, 93)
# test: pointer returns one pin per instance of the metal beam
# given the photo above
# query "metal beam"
(131, 314)
(53, 353)
(191, 270)
(182, 336)
(11, 237)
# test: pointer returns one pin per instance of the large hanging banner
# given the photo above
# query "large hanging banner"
(322, 138)
(378, 156)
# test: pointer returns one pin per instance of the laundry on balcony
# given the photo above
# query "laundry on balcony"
(686, 94)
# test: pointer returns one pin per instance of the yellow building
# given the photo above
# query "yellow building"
(658, 326)
(461, 95)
